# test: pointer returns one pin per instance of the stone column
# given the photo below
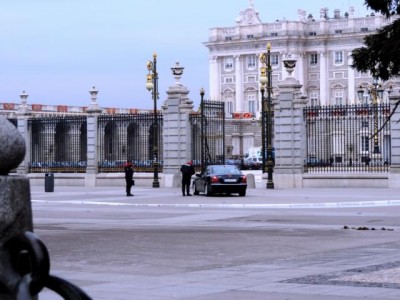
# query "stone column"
(215, 77)
(15, 204)
(394, 175)
(176, 129)
(23, 115)
(301, 70)
(239, 101)
(351, 91)
(290, 135)
(92, 145)
(323, 80)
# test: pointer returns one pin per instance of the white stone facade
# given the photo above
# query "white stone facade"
(321, 45)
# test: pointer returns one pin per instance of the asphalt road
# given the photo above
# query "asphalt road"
(280, 244)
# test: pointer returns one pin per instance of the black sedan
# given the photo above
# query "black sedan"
(220, 179)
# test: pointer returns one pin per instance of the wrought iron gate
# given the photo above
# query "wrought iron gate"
(351, 138)
(128, 136)
(208, 133)
(58, 144)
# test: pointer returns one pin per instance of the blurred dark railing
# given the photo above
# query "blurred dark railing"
(26, 271)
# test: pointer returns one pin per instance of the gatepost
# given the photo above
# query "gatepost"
(93, 112)
(23, 115)
(394, 175)
(290, 134)
(176, 129)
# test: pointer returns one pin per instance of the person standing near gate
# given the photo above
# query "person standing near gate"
(187, 171)
(128, 169)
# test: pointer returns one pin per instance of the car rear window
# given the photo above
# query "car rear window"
(225, 170)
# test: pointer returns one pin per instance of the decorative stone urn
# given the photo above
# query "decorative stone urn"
(289, 65)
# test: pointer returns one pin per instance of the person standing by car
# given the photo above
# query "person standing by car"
(187, 171)
(128, 169)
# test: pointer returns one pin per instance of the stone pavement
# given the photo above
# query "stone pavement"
(271, 244)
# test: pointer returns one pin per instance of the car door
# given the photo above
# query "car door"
(201, 180)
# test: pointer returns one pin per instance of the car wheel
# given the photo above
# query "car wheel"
(207, 190)
(242, 193)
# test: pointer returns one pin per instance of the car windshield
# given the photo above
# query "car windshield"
(223, 170)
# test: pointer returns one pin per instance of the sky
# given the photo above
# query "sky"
(58, 50)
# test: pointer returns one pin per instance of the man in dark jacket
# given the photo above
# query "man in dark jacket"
(187, 171)
(128, 169)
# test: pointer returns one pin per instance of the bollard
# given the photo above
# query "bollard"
(49, 182)
(251, 182)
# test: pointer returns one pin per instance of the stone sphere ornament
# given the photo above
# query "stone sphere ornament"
(12, 146)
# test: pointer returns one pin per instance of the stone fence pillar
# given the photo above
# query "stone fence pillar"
(23, 115)
(290, 135)
(93, 112)
(177, 139)
(394, 175)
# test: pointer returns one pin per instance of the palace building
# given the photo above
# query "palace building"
(321, 45)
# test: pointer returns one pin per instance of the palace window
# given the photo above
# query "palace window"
(251, 78)
(366, 98)
(314, 101)
(274, 60)
(313, 59)
(251, 100)
(251, 62)
(338, 57)
(338, 98)
(228, 63)
(229, 107)
(365, 143)
(228, 79)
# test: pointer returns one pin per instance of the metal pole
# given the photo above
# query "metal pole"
(375, 106)
(156, 183)
(263, 127)
(202, 128)
(270, 162)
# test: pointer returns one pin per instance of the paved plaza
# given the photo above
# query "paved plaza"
(271, 244)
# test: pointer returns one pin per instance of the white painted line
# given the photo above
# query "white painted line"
(235, 205)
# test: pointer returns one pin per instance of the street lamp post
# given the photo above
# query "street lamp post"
(375, 90)
(266, 115)
(152, 85)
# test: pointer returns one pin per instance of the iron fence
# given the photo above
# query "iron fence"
(58, 144)
(195, 121)
(208, 134)
(125, 137)
(351, 138)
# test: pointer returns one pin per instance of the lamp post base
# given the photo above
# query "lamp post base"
(270, 186)
(156, 184)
